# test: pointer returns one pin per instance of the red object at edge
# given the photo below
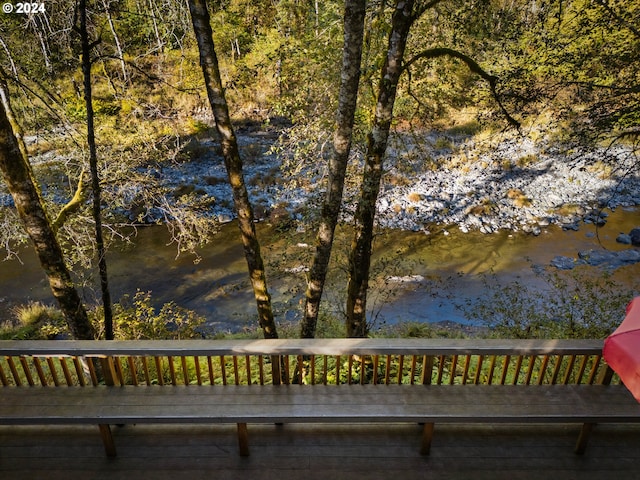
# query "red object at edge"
(622, 349)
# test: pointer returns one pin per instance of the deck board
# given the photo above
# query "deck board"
(312, 451)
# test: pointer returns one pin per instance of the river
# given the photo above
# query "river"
(416, 277)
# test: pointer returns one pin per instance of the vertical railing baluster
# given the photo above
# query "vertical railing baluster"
(52, 370)
(376, 364)
(583, 367)
(185, 370)
(569, 370)
(144, 360)
(300, 367)
(223, 369)
(441, 362)
(594, 369)
(261, 368)
(236, 377)
(325, 368)
(92, 371)
(210, 368)
(172, 370)
(427, 370)
(79, 371)
(132, 370)
(65, 371)
(492, 367)
(465, 373)
(412, 370)
(387, 370)
(159, 370)
(247, 360)
(530, 367)
(118, 370)
(26, 370)
(198, 371)
(478, 375)
(400, 368)
(454, 367)
(505, 369)
(518, 368)
(43, 378)
(312, 360)
(14, 371)
(543, 369)
(556, 370)
(3, 376)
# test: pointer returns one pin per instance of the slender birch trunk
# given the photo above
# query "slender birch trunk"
(93, 166)
(350, 79)
(360, 256)
(233, 164)
(116, 39)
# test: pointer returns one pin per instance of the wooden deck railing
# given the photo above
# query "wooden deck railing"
(321, 361)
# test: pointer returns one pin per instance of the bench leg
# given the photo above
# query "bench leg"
(107, 440)
(427, 436)
(243, 439)
(581, 444)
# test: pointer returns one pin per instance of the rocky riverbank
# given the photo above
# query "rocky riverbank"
(607, 259)
(434, 183)
(515, 185)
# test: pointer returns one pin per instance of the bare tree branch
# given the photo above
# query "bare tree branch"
(421, 8)
(473, 66)
(618, 18)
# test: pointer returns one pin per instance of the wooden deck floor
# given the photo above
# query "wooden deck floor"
(324, 452)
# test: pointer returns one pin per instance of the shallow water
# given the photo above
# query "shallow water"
(415, 276)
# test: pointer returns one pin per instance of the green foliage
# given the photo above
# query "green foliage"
(410, 329)
(135, 318)
(34, 321)
(576, 61)
(569, 305)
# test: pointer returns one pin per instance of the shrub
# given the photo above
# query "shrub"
(575, 304)
(137, 319)
(414, 197)
(35, 321)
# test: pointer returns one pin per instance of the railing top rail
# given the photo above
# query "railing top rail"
(337, 346)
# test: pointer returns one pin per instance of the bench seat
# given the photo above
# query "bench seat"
(242, 404)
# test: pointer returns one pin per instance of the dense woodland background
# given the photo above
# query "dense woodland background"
(567, 71)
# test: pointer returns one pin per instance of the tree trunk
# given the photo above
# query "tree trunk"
(17, 175)
(233, 164)
(360, 256)
(116, 39)
(155, 27)
(15, 126)
(93, 166)
(350, 78)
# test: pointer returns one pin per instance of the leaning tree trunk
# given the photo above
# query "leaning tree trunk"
(350, 79)
(360, 256)
(93, 166)
(233, 164)
(17, 175)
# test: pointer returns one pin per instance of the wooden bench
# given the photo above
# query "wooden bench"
(313, 381)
